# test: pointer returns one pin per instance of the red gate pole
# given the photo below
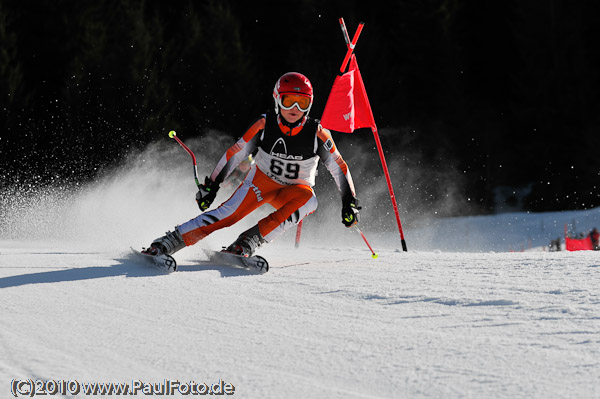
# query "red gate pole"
(386, 172)
(351, 46)
(390, 188)
(298, 233)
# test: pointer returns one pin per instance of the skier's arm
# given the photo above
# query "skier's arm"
(238, 152)
(335, 164)
(341, 174)
(207, 192)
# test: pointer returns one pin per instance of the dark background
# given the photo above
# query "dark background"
(505, 93)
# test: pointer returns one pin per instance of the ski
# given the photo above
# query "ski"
(162, 262)
(254, 263)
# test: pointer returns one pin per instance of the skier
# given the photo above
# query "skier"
(595, 237)
(289, 145)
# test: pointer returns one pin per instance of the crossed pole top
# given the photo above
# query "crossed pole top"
(349, 44)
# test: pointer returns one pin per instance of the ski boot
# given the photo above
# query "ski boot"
(247, 243)
(168, 244)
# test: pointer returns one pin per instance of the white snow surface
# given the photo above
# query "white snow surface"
(463, 314)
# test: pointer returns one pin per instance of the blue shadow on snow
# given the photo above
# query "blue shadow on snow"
(125, 267)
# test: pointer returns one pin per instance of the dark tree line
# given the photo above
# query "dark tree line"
(504, 92)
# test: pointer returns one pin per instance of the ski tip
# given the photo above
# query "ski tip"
(264, 266)
(164, 262)
(171, 264)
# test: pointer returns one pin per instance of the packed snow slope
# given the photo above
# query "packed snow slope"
(458, 316)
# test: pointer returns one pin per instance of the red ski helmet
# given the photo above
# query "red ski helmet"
(292, 83)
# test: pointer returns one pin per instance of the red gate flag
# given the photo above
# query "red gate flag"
(576, 244)
(348, 106)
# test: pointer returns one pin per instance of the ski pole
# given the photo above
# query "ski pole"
(373, 253)
(173, 135)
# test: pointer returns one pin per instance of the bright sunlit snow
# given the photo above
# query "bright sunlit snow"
(463, 314)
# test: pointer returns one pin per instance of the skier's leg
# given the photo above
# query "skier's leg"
(254, 191)
(247, 242)
(293, 203)
(168, 244)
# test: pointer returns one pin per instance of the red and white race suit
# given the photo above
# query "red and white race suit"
(282, 176)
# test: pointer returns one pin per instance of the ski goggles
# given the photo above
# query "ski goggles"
(288, 101)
